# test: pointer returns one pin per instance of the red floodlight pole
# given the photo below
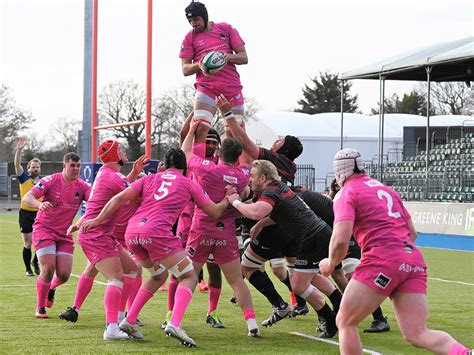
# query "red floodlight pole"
(147, 121)
(94, 80)
(148, 80)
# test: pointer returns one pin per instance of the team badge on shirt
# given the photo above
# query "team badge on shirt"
(40, 186)
(382, 281)
(223, 36)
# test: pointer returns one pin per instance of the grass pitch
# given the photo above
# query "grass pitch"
(451, 309)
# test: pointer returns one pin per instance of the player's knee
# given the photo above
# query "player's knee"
(280, 272)
(62, 276)
(414, 337)
(27, 244)
(47, 271)
(302, 290)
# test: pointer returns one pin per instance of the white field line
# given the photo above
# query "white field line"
(8, 222)
(34, 285)
(450, 281)
(331, 342)
(465, 251)
(95, 281)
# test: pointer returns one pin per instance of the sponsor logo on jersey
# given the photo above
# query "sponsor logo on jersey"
(407, 247)
(301, 262)
(411, 268)
(220, 226)
(168, 176)
(231, 179)
(382, 281)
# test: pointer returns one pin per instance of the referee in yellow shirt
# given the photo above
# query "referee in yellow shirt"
(27, 214)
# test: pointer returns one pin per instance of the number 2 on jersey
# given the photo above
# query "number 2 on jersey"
(162, 190)
(384, 194)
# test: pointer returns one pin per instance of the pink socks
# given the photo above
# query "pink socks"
(214, 295)
(42, 289)
(172, 285)
(133, 291)
(182, 299)
(84, 286)
(143, 296)
(112, 296)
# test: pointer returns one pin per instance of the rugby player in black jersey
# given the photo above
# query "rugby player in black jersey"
(272, 243)
(310, 235)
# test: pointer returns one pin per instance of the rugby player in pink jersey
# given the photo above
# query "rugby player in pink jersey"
(99, 244)
(218, 237)
(207, 36)
(392, 266)
(149, 236)
(62, 195)
(214, 285)
(132, 272)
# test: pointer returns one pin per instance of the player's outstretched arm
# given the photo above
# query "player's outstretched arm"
(122, 198)
(190, 68)
(187, 146)
(225, 107)
(185, 129)
(255, 211)
(30, 200)
(20, 144)
(338, 247)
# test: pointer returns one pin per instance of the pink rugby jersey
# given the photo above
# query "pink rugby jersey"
(222, 38)
(66, 199)
(215, 179)
(164, 196)
(380, 219)
(108, 183)
(124, 214)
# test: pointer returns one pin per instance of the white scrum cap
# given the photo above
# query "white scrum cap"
(346, 163)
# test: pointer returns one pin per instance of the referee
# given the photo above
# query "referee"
(27, 214)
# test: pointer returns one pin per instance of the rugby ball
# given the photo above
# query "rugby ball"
(213, 62)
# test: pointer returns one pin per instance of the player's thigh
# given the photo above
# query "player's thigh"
(411, 310)
(358, 301)
(110, 267)
(232, 271)
(128, 264)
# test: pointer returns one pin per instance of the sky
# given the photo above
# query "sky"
(288, 43)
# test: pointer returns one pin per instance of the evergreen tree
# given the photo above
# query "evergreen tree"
(324, 95)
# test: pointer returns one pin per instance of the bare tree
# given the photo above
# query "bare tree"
(121, 102)
(12, 121)
(65, 133)
(448, 98)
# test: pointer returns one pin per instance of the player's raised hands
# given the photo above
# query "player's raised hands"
(223, 104)
(140, 164)
(20, 143)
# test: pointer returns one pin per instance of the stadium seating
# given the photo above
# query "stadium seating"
(450, 176)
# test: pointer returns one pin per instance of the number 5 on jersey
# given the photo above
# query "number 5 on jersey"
(162, 191)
